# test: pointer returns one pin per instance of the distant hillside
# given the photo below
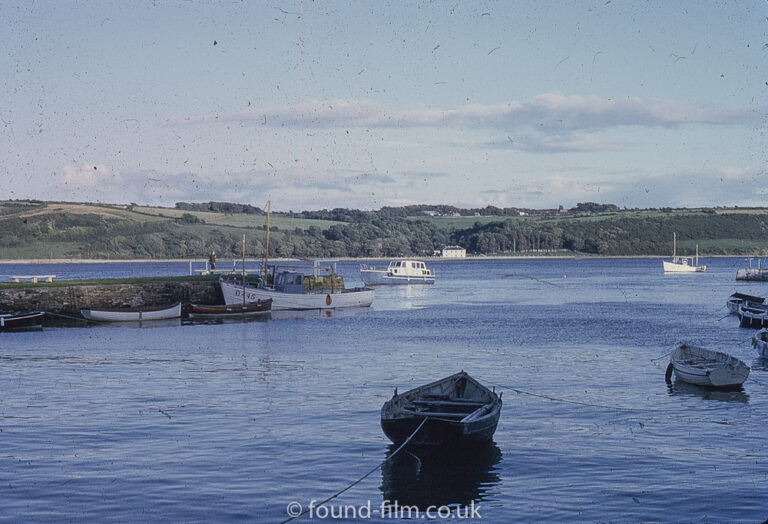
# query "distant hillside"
(33, 229)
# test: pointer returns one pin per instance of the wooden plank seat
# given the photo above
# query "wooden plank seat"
(33, 278)
(452, 403)
(440, 414)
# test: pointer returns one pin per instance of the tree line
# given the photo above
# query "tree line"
(390, 232)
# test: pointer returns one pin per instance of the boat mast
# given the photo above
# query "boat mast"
(674, 247)
(243, 269)
(266, 247)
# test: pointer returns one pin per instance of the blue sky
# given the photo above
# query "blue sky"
(371, 103)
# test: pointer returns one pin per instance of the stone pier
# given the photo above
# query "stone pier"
(69, 300)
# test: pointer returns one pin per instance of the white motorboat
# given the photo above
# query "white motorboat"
(398, 272)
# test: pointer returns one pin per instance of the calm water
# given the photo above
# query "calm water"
(234, 421)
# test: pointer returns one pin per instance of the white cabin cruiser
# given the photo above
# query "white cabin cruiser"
(398, 272)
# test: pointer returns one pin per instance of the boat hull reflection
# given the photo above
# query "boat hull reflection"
(440, 478)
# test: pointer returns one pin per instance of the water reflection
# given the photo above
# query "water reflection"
(760, 364)
(165, 323)
(440, 479)
(290, 314)
(684, 389)
(234, 319)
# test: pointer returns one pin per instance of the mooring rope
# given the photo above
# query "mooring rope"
(603, 406)
(361, 478)
(70, 317)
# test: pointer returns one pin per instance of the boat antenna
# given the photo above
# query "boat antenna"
(266, 244)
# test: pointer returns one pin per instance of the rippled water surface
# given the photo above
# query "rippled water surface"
(234, 421)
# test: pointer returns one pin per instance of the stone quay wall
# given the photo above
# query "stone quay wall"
(69, 300)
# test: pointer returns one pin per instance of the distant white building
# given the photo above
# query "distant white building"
(454, 252)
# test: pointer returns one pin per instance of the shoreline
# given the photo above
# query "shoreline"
(40, 261)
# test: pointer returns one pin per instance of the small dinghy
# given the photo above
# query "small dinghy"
(21, 320)
(738, 299)
(132, 314)
(705, 367)
(260, 307)
(760, 342)
(753, 316)
(455, 411)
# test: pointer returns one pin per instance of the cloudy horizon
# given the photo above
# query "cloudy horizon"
(510, 105)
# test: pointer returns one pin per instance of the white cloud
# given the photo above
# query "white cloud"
(551, 111)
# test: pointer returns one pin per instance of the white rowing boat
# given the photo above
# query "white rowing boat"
(132, 314)
(705, 367)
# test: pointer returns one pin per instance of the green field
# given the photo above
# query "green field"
(242, 221)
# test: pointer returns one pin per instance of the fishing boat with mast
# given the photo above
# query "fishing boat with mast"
(682, 264)
(243, 308)
(297, 287)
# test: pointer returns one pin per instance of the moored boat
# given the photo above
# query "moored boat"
(260, 307)
(132, 314)
(738, 299)
(760, 342)
(398, 272)
(705, 367)
(682, 264)
(21, 320)
(753, 316)
(455, 411)
(291, 289)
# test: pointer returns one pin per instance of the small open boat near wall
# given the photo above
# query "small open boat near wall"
(133, 313)
(260, 307)
(21, 320)
(705, 367)
(760, 342)
(459, 411)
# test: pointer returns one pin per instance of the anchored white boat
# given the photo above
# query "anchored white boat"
(291, 289)
(760, 342)
(705, 367)
(682, 264)
(132, 314)
(739, 299)
(398, 272)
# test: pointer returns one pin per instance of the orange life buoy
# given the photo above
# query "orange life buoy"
(328, 300)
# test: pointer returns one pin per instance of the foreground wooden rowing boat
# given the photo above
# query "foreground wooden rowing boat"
(260, 307)
(20, 320)
(459, 411)
(133, 313)
(705, 367)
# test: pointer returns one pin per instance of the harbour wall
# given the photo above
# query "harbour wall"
(69, 300)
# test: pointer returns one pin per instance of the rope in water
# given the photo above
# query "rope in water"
(70, 317)
(363, 477)
(554, 399)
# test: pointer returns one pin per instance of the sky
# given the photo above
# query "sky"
(364, 104)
